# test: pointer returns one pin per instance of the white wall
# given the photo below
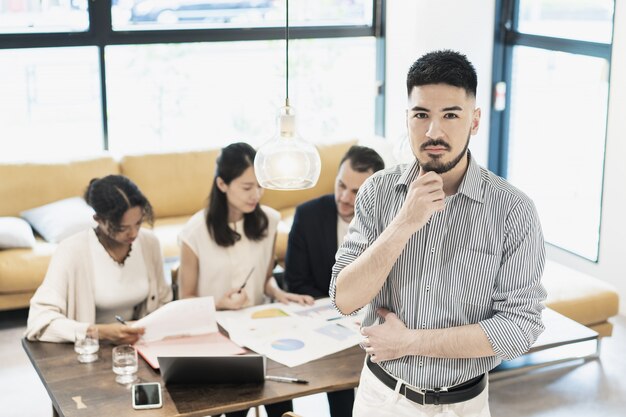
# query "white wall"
(415, 27)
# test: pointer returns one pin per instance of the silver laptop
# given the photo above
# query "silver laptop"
(212, 369)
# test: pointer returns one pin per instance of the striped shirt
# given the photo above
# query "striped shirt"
(480, 260)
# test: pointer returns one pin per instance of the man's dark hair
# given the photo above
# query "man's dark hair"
(363, 159)
(232, 162)
(113, 195)
(443, 67)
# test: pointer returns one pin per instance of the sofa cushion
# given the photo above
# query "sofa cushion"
(22, 270)
(33, 185)
(167, 231)
(581, 297)
(176, 184)
(15, 233)
(61, 219)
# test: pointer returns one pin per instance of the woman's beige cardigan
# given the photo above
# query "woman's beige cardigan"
(65, 300)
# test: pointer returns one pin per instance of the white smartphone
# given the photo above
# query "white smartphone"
(147, 395)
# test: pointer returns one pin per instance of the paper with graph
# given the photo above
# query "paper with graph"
(292, 334)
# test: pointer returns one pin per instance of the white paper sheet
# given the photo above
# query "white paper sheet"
(188, 317)
(292, 334)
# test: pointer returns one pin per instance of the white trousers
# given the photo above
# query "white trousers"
(375, 399)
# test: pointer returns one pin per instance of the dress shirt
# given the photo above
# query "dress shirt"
(480, 260)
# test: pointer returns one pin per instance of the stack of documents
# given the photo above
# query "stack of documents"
(183, 328)
(292, 334)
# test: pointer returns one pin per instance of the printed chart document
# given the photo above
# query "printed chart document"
(183, 328)
(292, 334)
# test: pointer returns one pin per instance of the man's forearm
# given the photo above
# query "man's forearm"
(468, 341)
(361, 280)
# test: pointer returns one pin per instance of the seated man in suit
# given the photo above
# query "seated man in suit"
(318, 227)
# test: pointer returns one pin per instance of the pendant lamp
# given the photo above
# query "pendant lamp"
(286, 161)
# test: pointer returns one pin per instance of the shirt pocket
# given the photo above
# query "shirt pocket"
(472, 276)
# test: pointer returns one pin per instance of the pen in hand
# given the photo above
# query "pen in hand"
(121, 320)
(245, 281)
(285, 379)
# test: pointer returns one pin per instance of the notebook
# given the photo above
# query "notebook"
(212, 344)
(231, 369)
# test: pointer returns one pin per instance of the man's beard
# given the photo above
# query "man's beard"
(439, 167)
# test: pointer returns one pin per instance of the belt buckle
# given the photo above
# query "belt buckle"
(417, 396)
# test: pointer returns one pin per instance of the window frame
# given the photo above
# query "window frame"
(101, 34)
(506, 38)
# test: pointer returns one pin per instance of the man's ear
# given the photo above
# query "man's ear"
(475, 120)
(221, 185)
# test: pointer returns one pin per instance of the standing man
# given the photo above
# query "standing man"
(448, 255)
(319, 226)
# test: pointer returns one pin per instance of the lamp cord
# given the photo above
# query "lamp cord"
(287, 54)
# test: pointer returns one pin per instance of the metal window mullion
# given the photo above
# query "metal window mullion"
(498, 120)
(100, 31)
(45, 40)
(100, 28)
(596, 49)
(381, 62)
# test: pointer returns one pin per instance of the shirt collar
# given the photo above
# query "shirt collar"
(471, 186)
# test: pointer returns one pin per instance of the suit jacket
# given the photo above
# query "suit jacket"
(311, 247)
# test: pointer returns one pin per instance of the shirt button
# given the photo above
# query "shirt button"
(428, 288)
(421, 363)
(423, 325)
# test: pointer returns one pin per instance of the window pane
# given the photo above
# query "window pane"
(587, 20)
(166, 97)
(50, 104)
(557, 140)
(192, 14)
(27, 16)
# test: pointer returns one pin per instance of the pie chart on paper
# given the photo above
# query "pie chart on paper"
(287, 344)
(268, 313)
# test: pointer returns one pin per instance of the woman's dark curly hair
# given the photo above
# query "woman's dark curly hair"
(112, 196)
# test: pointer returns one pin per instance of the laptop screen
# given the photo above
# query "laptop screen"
(212, 369)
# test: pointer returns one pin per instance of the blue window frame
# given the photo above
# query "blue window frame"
(548, 123)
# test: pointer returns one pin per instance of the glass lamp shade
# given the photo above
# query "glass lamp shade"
(286, 161)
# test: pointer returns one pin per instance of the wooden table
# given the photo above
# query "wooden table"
(71, 384)
(90, 389)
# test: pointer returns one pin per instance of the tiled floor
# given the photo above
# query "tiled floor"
(594, 388)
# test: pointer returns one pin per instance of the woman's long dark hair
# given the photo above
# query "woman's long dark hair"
(231, 164)
(113, 195)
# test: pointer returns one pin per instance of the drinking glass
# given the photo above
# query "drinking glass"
(86, 345)
(125, 364)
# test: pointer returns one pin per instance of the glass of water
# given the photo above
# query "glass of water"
(86, 344)
(125, 364)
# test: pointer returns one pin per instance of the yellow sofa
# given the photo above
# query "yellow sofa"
(177, 185)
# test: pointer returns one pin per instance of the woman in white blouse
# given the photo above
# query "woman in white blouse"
(231, 242)
(227, 249)
(96, 274)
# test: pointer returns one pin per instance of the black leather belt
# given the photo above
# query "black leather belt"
(459, 393)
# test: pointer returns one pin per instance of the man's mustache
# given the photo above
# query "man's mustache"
(435, 142)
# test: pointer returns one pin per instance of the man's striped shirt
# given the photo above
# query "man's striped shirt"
(480, 260)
